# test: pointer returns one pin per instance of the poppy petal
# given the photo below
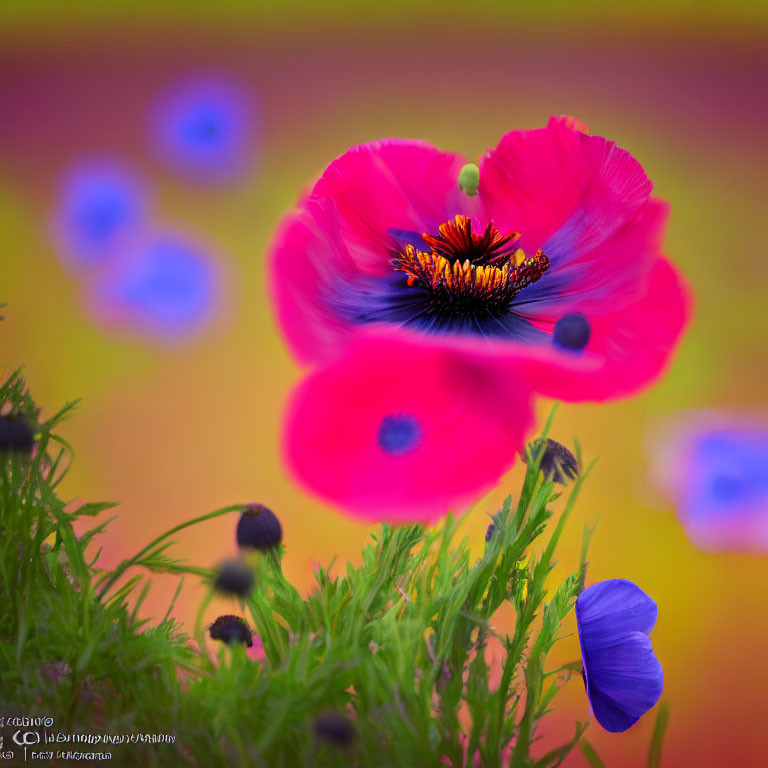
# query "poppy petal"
(390, 186)
(561, 188)
(404, 431)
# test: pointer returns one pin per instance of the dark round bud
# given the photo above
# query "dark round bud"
(231, 629)
(557, 463)
(16, 434)
(491, 530)
(334, 728)
(234, 577)
(258, 528)
(572, 332)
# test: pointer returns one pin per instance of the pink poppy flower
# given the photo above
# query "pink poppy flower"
(403, 431)
(554, 261)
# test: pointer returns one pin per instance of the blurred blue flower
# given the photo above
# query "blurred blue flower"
(166, 286)
(204, 126)
(726, 487)
(621, 673)
(715, 466)
(100, 204)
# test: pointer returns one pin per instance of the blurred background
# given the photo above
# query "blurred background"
(146, 157)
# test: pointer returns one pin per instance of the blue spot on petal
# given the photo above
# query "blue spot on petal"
(400, 434)
(572, 332)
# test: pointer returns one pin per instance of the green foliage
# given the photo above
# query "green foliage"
(62, 652)
(657, 739)
(402, 643)
(590, 755)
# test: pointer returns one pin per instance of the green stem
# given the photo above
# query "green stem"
(126, 564)
(274, 556)
(199, 630)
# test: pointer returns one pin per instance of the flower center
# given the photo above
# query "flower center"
(469, 274)
(572, 332)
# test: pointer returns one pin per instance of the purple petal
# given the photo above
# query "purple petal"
(622, 675)
(613, 607)
(624, 681)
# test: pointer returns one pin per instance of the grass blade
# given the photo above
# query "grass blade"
(657, 739)
(590, 755)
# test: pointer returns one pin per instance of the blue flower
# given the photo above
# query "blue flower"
(166, 286)
(714, 465)
(100, 204)
(203, 125)
(621, 673)
(724, 502)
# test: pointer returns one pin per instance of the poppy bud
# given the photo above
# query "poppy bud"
(234, 577)
(16, 435)
(231, 629)
(469, 179)
(557, 463)
(334, 728)
(258, 528)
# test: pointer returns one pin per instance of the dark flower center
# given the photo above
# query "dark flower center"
(467, 275)
(572, 332)
(399, 434)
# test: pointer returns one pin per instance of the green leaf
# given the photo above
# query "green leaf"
(93, 508)
(556, 756)
(590, 755)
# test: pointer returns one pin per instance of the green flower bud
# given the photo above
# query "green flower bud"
(469, 179)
